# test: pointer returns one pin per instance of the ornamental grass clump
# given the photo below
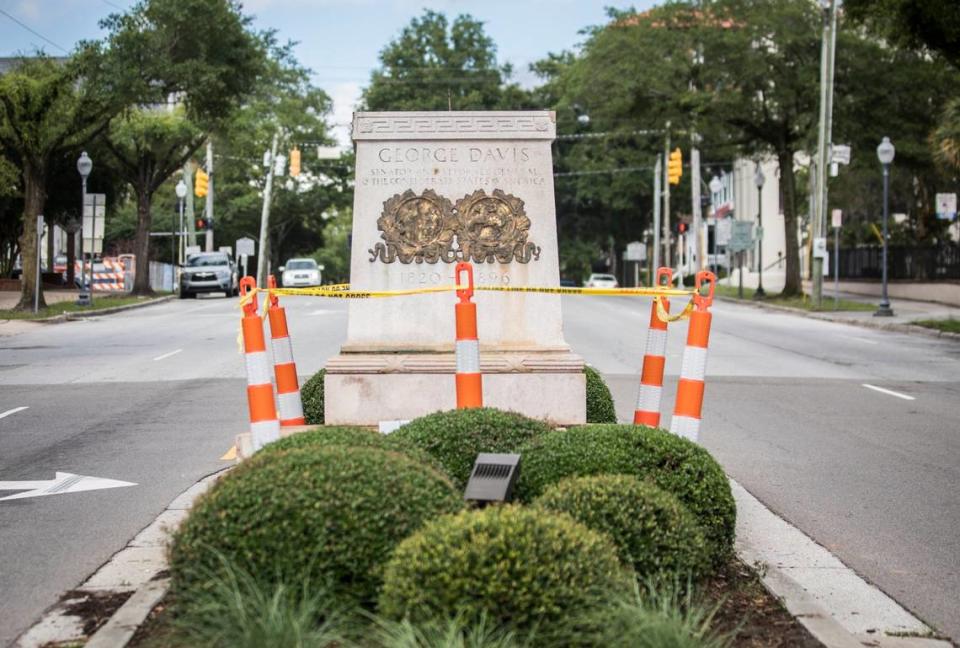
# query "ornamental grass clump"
(311, 395)
(327, 516)
(520, 568)
(455, 438)
(600, 407)
(653, 532)
(672, 463)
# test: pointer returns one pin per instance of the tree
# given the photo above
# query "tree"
(434, 65)
(913, 24)
(284, 103)
(47, 108)
(182, 66)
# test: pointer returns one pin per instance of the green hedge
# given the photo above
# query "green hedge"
(654, 533)
(322, 517)
(455, 438)
(342, 435)
(600, 407)
(674, 464)
(311, 395)
(521, 567)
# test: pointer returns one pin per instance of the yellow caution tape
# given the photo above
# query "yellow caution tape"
(667, 317)
(342, 291)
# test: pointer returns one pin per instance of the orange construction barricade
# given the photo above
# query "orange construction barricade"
(284, 368)
(264, 426)
(687, 410)
(654, 359)
(469, 378)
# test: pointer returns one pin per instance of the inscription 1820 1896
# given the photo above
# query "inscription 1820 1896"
(429, 228)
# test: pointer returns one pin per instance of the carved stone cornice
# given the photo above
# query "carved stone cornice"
(466, 125)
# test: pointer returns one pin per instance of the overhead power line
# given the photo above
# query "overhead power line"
(33, 31)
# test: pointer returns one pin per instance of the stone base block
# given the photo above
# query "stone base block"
(364, 389)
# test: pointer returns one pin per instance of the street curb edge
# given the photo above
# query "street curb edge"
(896, 328)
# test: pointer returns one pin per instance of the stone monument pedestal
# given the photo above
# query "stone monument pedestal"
(366, 388)
(433, 189)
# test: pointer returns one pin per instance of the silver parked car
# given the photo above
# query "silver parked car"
(208, 272)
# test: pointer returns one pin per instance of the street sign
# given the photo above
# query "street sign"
(840, 153)
(820, 248)
(836, 217)
(722, 232)
(246, 247)
(946, 206)
(741, 236)
(636, 251)
(94, 224)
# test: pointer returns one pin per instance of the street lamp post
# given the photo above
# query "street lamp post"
(885, 153)
(181, 190)
(84, 167)
(759, 180)
(716, 186)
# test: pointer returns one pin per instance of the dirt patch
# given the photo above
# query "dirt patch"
(93, 608)
(750, 613)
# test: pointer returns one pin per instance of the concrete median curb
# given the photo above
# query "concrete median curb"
(135, 571)
(838, 607)
(865, 323)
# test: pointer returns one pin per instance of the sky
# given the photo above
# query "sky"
(338, 39)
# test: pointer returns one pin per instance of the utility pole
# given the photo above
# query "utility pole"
(657, 170)
(208, 247)
(265, 217)
(188, 170)
(667, 248)
(695, 196)
(824, 136)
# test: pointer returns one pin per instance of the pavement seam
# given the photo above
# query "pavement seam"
(897, 328)
(143, 555)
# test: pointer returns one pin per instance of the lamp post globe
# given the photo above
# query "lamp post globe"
(759, 180)
(84, 165)
(716, 185)
(181, 189)
(885, 153)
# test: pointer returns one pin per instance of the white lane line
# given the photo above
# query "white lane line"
(888, 392)
(13, 411)
(167, 355)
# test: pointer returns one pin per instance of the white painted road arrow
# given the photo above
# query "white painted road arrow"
(62, 483)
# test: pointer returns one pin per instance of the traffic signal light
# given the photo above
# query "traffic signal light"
(201, 224)
(294, 162)
(200, 183)
(675, 166)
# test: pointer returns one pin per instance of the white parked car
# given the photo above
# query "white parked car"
(601, 281)
(300, 272)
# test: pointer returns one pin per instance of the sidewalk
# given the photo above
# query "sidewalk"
(9, 298)
(905, 313)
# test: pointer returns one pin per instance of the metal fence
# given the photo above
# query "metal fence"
(920, 263)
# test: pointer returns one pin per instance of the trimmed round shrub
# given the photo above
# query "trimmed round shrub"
(521, 567)
(599, 401)
(336, 435)
(653, 532)
(311, 395)
(455, 438)
(674, 464)
(323, 517)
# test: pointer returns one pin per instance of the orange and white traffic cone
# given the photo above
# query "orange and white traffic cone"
(687, 410)
(654, 359)
(264, 426)
(469, 378)
(284, 368)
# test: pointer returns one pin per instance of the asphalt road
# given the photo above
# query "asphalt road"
(155, 396)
